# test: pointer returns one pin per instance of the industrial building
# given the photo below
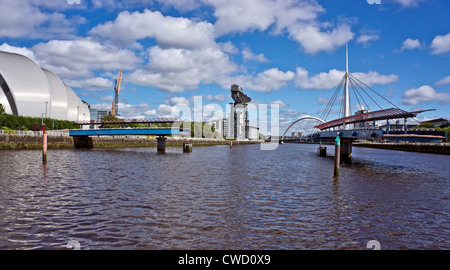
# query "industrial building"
(29, 90)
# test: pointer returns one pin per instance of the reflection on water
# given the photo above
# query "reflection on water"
(222, 198)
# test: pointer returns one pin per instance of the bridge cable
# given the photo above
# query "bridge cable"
(330, 103)
(362, 98)
(375, 92)
(368, 95)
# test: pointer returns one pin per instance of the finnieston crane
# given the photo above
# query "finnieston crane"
(115, 104)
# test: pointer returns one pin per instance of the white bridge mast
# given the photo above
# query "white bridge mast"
(346, 94)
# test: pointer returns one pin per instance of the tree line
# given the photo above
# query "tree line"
(15, 122)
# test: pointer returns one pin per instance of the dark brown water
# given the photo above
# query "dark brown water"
(217, 198)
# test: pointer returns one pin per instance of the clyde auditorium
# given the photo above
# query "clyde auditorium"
(28, 90)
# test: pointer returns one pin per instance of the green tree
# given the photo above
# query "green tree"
(2, 109)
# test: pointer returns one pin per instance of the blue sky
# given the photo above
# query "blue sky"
(286, 52)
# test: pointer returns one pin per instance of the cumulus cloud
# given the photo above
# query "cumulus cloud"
(19, 50)
(408, 3)
(332, 78)
(218, 97)
(92, 84)
(315, 37)
(249, 55)
(176, 70)
(444, 81)
(267, 81)
(365, 39)
(169, 32)
(441, 44)
(250, 15)
(28, 19)
(78, 58)
(422, 94)
(298, 18)
(411, 44)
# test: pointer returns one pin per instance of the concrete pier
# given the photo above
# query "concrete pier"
(161, 144)
(346, 149)
(187, 147)
(322, 151)
(82, 142)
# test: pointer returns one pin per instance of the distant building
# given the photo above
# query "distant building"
(438, 122)
(98, 114)
(218, 127)
(253, 133)
(296, 134)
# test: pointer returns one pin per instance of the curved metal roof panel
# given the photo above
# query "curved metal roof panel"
(27, 84)
(72, 104)
(58, 96)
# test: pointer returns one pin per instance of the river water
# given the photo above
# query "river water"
(222, 198)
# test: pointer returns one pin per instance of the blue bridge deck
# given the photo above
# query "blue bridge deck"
(129, 131)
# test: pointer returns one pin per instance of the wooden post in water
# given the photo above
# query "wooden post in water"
(44, 144)
(231, 143)
(337, 156)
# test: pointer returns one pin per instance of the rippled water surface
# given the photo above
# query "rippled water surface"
(222, 198)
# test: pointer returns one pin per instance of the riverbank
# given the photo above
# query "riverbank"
(431, 148)
(12, 141)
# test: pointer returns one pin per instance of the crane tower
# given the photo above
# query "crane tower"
(115, 104)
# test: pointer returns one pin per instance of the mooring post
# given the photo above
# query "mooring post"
(337, 153)
(321, 151)
(44, 144)
(231, 143)
(187, 147)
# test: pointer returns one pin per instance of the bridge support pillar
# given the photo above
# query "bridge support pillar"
(161, 144)
(83, 142)
(346, 150)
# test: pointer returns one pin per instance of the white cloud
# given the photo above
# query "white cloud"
(78, 58)
(19, 50)
(332, 78)
(441, 44)
(249, 55)
(297, 17)
(280, 103)
(249, 15)
(92, 84)
(23, 18)
(444, 81)
(424, 94)
(175, 101)
(218, 97)
(323, 80)
(169, 32)
(365, 39)
(266, 81)
(183, 5)
(411, 44)
(322, 101)
(229, 47)
(176, 70)
(315, 37)
(19, 18)
(408, 3)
